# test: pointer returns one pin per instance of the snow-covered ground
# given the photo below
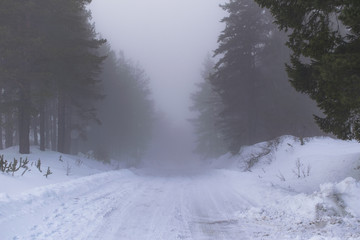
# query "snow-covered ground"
(274, 190)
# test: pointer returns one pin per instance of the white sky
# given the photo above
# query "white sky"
(169, 39)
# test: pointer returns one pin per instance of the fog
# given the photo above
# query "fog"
(176, 119)
(168, 38)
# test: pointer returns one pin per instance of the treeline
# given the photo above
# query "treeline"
(245, 97)
(126, 113)
(207, 104)
(48, 71)
(52, 76)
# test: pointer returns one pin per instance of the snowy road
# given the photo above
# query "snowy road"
(130, 206)
(124, 205)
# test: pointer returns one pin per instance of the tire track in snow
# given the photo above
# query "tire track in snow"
(122, 213)
(58, 215)
(212, 211)
(85, 212)
(138, 207)
(153, 215)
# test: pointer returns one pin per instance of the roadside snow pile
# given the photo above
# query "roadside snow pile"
(295, 164)
(13, 205)
(63, 167)
(321, 178)
(303, 168)
(331, 213)
(342, 199)
(248, 156)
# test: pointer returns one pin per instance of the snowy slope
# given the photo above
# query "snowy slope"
(320, 160)
(266, 201)
(321, 178)
(63, 168)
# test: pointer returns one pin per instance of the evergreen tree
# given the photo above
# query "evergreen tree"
(126, 112)
(48, 58)
(19, 47)
(207, 104)
(324, 38)
(258, 103)
(76, 65)
(135, 103)
(236, 78)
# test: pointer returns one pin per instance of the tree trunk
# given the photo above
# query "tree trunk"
(35, 130)
(63, 128)
(1, 132)
(53, 122)
(42, 127)
(67, 144)
(24, 119)
(15, 135)
(1, 121)
(61, 124)
(9, 131)
(48, 127)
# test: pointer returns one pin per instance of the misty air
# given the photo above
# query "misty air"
(179, 120)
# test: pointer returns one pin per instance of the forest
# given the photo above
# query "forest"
(276, 71)
(54, 73)
(179, 120)
(268, 50)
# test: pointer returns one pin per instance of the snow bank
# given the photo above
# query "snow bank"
(287, 163)
(58, 189)
(342, 198)
(327, 214)
(321, 177)
(63, 167)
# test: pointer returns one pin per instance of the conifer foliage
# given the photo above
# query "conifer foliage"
(126, 111)
(249, 78)
(236, 77)
(207, 104)
(48, 69)
(325, 63)
(59, 81)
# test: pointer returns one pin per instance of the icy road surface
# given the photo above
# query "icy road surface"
(125, 205)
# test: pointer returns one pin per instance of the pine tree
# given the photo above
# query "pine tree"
(126, 112)
(19, 47)
(324, 38)
(236, 78)
(49, 58)
(259, 103)
(208, 106)
(75, 66)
